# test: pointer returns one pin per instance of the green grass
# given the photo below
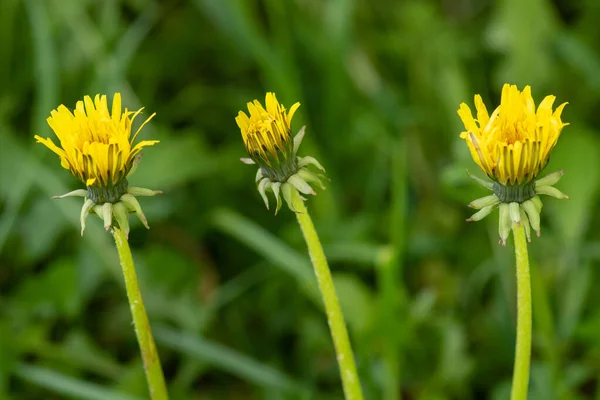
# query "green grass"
(429, 299)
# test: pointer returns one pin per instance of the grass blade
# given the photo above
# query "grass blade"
(68, 386)
(269, 246)
(225, 359)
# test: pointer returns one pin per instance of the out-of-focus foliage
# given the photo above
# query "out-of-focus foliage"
(429, 299)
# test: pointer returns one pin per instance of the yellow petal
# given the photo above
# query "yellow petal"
(518, 161)
(101, 105)
(271, 103)
(116, 107)
(80, 109)
(559, 110)
(502, 170)
(464, 112)
(50, 144)
(256, 110)
(292, 112)
(144, 143)
(90, 109)
(528, 100)
(142, 125)
(478, 153)
(482, 114)
(242, 121)
(545, 108)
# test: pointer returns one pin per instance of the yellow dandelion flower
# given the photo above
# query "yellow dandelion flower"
(267, 136)
(97, 147)
(267, 131)
(512, 146)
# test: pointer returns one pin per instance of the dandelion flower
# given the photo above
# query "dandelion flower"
(512, 146)
(267, 136)
(96, 146)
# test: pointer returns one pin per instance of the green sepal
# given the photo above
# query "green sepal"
(551, 191)
(74, 193)
(515, 214)
(85, 210)
(308, 160)
(481, 214)
(134, 206)
(484, 202)
(138, 191)
(121, 215)
(533, 214)
(481, 182)
(136, 162)
(526, 225)
(289, 194)
(538, 203)
(550, 179)
(311, 177)
(298, 139)
(259, 175)
(262, 190)
(300, 184)
(504, 223)
(105, 212)
(275, 186)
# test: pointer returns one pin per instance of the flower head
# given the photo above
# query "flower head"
(512, 146)
(97, 147)
(267, 136)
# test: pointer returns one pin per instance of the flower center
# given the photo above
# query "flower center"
(107, 194)
(511, 194)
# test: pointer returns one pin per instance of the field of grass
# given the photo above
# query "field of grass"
(429, 298)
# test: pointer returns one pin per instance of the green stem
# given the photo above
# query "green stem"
(523, 346)
(154, 374)
(337, 326)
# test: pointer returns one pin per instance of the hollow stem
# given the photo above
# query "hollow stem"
(337, 326)
(152, 367)
(523, 346)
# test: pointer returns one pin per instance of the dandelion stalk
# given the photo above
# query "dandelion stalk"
(512, 146)
(97, 147)
(154, 373)
(523, 346)
(267, 136)
(335, 318)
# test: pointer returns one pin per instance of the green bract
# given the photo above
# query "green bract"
(291, 173)
(518, 204)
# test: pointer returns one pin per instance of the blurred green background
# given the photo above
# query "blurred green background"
(429, 299)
